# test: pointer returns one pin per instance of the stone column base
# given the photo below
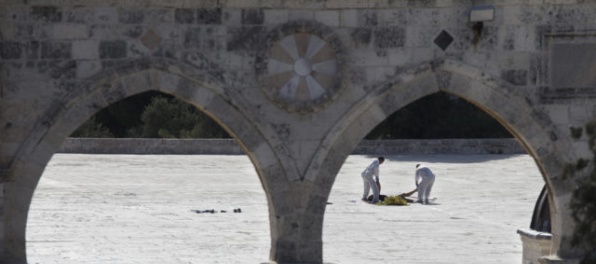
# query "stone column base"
(535, 244)
(557, 260)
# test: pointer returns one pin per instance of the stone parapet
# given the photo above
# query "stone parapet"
(230, 147)
(150, 146)
(535, 245)
(439, 146)
(557, 260)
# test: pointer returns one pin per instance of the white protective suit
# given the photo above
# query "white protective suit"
(369, 182)
(426, 184)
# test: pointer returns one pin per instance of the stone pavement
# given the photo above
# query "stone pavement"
(139, 209)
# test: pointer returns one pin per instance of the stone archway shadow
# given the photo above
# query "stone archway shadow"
(532, 128)
(202, 90)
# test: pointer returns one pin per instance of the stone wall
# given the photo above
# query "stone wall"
(299, 84)
(230, 147)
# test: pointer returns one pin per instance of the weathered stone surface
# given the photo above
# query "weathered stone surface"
(276, 16)
(10, 50)
(23, 31)
(63, 60)
(79, 15)
(253, 16)
(570, 66)
(87, 69)
(389, 37)
(131, 16)
(112, 49)
(515, 77)
(184, 16)
(46, 13)
(70, 31)
(209, 16)
(245, 38)
(368, 18)
(328, 17)
(31, 49)
(362, 36)
(85, 49)
(105, 15)
(61, 69)
(421, 3)
(193, 38)
(56, 50)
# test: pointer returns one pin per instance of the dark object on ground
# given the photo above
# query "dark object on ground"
(204, 211)
(237, 210)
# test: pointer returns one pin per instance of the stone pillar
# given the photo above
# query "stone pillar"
(14, 207)
(297, 239)
(562, 251)
(296, 213)
(12, 239)
(296, 218)
(535, 245)
(3, 252)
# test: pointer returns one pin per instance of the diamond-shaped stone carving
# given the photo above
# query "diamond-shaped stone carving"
(151, 39)
(443, 40)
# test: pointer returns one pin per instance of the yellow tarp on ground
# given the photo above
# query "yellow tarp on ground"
(394, 200)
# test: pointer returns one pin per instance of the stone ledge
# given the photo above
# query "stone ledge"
(526, 232)
(150, 146)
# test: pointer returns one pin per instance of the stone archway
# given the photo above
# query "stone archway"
(515, 112)
(202, 91)
(296, 205)
(534, 130)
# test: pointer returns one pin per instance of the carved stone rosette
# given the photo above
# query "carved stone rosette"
(300, 68)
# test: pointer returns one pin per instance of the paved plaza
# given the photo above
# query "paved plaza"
(143, 209)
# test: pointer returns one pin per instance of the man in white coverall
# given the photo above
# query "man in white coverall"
(427, 178)
(369, 182)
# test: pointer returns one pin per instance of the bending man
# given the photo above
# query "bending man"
(427, 178)
(369, 182)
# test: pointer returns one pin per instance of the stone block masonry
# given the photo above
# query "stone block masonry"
(298, 84)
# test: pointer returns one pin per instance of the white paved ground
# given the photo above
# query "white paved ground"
(138, 209)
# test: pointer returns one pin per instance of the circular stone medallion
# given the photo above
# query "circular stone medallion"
(301, 72)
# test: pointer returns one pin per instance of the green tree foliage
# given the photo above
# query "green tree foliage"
(439, 116)
(171, 118)
(120, 117)
(151, 115)
(583, 205)
(92, 129)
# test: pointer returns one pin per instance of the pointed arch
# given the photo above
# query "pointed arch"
(517, 113)
(204, 90)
